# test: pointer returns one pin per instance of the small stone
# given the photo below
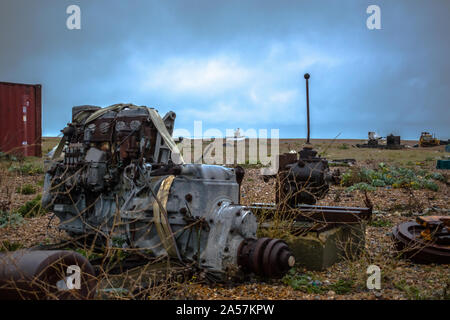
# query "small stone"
(331, 293)
(377, 293)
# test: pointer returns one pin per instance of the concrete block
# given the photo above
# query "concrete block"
(320, 250)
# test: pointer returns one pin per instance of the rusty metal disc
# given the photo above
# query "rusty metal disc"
(284, 258)
(266, 256)
(257, 255)
(277, 264)
(244, 252)
(408, 241)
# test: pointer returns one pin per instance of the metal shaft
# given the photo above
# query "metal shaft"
(307, 104)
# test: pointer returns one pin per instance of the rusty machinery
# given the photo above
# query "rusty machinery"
(303, 177)
(392, 142)
(117, 177)
(122, 162)
(428, 140)
(427, 240)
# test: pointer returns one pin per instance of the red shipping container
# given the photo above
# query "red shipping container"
(20, 118)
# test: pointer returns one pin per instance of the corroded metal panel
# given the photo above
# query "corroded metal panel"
(20, 119)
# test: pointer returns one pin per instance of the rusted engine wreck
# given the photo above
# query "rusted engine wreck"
(123, 176)
(118, 177)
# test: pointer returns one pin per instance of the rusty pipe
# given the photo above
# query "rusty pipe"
(307, 76)
(46, 274)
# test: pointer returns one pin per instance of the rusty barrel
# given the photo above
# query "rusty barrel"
(46, 274)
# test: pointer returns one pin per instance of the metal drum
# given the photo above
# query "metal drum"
(43, 275)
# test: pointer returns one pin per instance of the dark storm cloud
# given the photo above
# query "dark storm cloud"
(239, 63)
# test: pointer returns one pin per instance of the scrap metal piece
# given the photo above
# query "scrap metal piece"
(436, 228)
(392, 142)
(302, 178)
(305, 180)
(265, 257)
(372, 141)
(315, 213)
(349, 162)
(50, 274)
(411, 244)
(119, 183)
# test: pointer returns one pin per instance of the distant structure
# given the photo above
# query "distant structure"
(392, 142)
(373, 138)
(237, 136)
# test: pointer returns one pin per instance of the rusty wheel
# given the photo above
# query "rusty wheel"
(257, 253)
(408, 241)
(265, 257)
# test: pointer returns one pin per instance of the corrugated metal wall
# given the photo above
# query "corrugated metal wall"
(20, 118)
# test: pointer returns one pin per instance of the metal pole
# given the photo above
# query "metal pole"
(307, 104)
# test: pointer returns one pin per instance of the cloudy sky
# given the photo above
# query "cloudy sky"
(239, 63)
